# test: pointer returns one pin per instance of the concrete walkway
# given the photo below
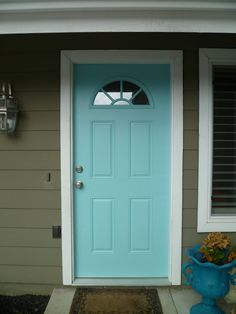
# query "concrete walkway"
(173, 300)
(60, 301)
(181, 300)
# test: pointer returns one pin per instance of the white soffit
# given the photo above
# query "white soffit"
(51, 16)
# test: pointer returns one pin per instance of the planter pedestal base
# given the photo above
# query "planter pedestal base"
(206, 307)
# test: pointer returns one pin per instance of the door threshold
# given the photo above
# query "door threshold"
(121, 282)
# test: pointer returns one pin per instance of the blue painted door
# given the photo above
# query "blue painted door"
(121, 132)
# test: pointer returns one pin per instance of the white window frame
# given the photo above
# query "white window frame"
(68, 59)
(206, 221)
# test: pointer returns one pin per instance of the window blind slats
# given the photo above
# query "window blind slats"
(223, 168)
(223, 196)
(231, 204)
(224, 140)
(225, 191)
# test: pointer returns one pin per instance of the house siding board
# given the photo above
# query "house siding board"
(30, 160)
(30, 256)
(190, 160)
(23, 288)
(30, 259)
(33, 140)
(190, 179)
(189, 199)
(28, 237)
(190, 140)
(190, 120)
(189, 218)
(29, 218)
(27, 199)
(30, 274)
(39, 121)
(34, 101)
(190, 157)
(29, 180)
(191, 100)
(191, 237)
(34, 81)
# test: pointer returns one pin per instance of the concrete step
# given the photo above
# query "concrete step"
(174, 300)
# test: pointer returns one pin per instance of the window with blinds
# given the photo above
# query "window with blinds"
(224, 140)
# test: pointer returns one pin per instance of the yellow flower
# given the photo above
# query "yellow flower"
(217, 240)
(217, 249)
(232, 256)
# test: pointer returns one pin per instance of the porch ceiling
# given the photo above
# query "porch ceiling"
(53, 16)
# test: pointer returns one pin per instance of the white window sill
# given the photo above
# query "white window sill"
(218, 223)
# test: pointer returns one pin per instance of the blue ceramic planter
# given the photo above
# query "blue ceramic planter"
(210, 280)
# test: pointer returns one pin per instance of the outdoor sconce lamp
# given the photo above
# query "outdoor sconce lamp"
(8, 109)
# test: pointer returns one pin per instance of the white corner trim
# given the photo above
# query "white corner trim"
(68, 58)
(206, 221)
(176, 169)
(80, 16)
(66, 169)
(123, 5)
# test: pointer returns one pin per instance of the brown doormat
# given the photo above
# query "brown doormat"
(116, 301)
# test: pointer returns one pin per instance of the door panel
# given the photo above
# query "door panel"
(140, 159)
(140, 225)
(102, 154)
(121, 215)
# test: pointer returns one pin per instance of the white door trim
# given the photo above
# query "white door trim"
(68, 58)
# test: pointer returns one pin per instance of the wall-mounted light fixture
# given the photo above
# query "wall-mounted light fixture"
(8, 109)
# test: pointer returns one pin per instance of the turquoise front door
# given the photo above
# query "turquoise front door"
(121, 144)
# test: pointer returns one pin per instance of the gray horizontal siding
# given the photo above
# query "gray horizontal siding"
(31, 81)
(24, 199)
(190, 199)
(190, 120)
(190, 175)
(29, 180)
(30, 259)
(30, 274)
(33, 140)
(34, 101)
(29, 218)
(190, 140)
(190, 160)
(189, 218)
(190, 99)
(190, 179)
(27, 237)
(30, 256)
(39, 121)
(30, 160)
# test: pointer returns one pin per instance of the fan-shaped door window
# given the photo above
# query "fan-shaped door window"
(121, 93)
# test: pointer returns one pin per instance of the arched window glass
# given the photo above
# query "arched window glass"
(121, 93)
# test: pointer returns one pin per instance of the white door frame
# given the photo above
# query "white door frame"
(174, 58)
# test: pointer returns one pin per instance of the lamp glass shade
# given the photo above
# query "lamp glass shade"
(8, 114)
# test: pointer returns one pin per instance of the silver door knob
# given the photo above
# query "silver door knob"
(79, 184)
(79, 168)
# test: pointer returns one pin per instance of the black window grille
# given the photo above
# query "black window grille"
(224, 140)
